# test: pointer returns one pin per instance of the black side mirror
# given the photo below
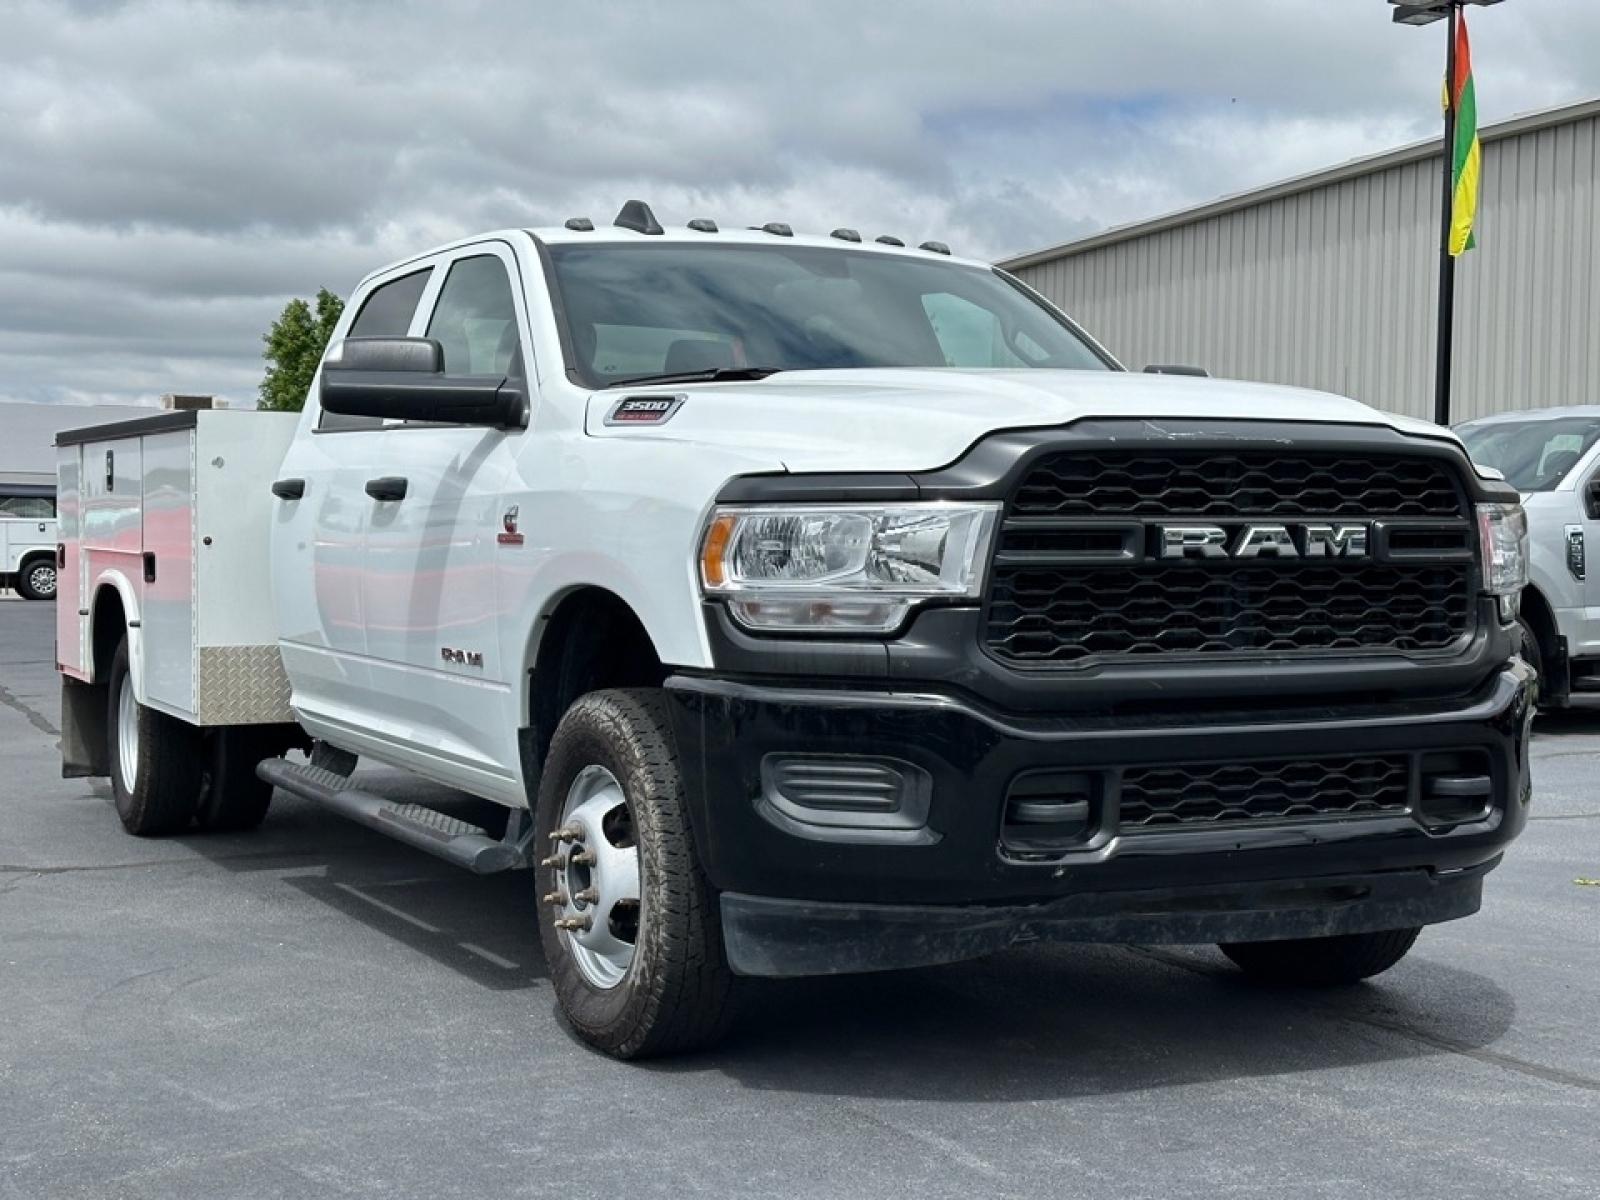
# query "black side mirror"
(1591, 499)
(1175, 369)
(403, 379)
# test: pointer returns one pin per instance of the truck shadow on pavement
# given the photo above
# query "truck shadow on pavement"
(480, 927)
(1047, 1022)
(1042, 1021)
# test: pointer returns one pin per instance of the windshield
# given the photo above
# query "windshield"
(637, 312)
(1534, 455)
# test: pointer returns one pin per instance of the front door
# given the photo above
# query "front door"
(433, 626)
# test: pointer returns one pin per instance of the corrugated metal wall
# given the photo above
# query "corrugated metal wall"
(1335, 287)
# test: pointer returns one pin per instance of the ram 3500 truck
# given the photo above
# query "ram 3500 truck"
(811, 605)
(1552, 456)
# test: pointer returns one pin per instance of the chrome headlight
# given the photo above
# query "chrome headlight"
(843, 567)
(1503, 548)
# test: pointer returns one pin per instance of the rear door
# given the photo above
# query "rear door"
(318, 548)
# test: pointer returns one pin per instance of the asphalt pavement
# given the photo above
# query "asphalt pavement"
(312, 1010)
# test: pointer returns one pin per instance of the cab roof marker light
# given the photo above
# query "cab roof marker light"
(846, 235)
(888, 240)
(702, 225)
(935, 247)
(777, 229)
(580, 224)
(636, 215)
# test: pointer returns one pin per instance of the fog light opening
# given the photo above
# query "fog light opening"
(1048, 813)
(1456, 788)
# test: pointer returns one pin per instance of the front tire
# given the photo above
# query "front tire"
(637, 959)
(37, 579)
(1324, 961)
(155, 760)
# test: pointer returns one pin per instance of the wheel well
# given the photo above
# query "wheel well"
(34, 556)
(109, 626)
(591, 641)
(1541, 619)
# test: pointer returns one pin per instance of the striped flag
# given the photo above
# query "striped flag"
(1462, 100)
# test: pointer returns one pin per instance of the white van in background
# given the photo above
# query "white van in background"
(28, 540)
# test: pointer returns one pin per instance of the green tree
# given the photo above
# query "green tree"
(294, 348)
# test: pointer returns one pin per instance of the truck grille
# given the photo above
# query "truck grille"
(1079, 573)
(1135, 483)
(1155, 798)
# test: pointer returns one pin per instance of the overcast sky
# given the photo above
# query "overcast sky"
(171, 173)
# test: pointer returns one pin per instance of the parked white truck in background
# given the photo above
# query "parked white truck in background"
(1552, 456)
(28, 540)
(811, 606)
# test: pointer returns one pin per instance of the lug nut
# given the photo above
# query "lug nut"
(559, 899)
(584, 858)
(573, 924)
(589, 895)
(568, 834)
(554, 862)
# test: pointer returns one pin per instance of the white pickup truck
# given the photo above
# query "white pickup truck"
(1552, 456)
(28, 540)
(811, 605)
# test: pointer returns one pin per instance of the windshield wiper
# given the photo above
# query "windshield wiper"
(711, 375)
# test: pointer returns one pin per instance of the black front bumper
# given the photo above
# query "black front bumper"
(799, 899)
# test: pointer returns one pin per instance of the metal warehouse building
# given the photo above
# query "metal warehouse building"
(1331, 280)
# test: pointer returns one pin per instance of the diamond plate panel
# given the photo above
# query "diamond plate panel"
(243, 685)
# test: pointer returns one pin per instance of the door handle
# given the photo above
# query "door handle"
(289, 489)
(390, 487)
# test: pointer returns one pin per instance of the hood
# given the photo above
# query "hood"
(911, 420)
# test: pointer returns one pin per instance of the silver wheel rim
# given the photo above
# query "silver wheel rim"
(43, 579)
(128, 734)
(597, 904)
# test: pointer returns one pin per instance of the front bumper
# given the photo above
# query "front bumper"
(801, 899)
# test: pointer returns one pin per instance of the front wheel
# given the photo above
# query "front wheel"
(155, 760)
(1324, 961)
(37, 579)
(630, 927)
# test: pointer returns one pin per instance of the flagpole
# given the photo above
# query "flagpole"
(1447, 262)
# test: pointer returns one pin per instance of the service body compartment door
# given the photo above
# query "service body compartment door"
(239, 672)
(167, 570)
(111, 510)
(72, 616)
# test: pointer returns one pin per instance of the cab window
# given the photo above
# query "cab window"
(31, 508)
(475, 320)
(386, 312)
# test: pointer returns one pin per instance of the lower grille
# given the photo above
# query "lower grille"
(1217, 794)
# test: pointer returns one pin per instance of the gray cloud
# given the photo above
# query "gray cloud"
(174, 171)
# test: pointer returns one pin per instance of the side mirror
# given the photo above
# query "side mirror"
(403, 379)
(1174, 369)
(1591, 499)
